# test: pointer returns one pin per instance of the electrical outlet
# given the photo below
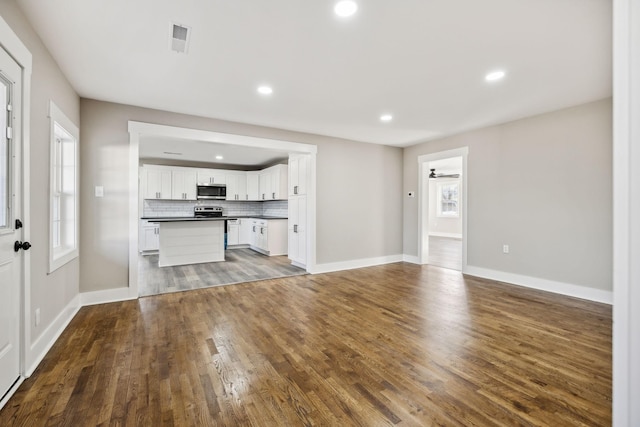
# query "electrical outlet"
(505, 249)
(37, 316)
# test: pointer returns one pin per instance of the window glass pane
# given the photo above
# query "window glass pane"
(4, 155)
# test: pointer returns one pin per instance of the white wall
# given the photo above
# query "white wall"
(540, 184)
(359, 186)
(49, 292)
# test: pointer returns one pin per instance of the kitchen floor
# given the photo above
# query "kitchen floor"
(445, 252)
(241, 265)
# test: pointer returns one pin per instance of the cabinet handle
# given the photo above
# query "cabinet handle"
(295, 189)
(262, 196)
(254, 228)
(274, 195)
(261, 230)
(295, 228)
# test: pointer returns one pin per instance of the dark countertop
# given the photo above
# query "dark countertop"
(190, 218)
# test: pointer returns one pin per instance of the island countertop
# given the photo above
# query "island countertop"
(220, 218)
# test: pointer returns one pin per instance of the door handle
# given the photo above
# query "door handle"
(21, 245)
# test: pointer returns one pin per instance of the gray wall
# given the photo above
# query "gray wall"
(540, 184)
(359, 186)
(49, 292)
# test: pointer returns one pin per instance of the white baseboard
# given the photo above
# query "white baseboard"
(50, 335)
(356, 263)
(107, 295)
(452, 235)
(11, 392)
(413, 259)
(583, 292)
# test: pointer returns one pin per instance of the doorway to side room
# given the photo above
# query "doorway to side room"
(445, 213)
(442, 220)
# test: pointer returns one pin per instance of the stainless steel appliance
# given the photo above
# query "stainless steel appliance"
(207, 212)
(207, 191)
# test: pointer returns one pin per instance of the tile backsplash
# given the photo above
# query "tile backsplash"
(184, 208)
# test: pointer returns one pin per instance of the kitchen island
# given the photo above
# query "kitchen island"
(190, 241)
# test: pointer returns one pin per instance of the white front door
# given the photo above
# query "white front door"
(10, 210)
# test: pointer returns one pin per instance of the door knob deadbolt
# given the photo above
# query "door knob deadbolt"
(21, 245)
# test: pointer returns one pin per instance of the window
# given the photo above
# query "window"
(63, 223)
(448, 205)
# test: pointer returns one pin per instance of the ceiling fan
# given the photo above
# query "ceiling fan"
(443, 175)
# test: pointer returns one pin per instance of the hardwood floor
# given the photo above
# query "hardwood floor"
(399, 344)
(240, 265)
(445, 252)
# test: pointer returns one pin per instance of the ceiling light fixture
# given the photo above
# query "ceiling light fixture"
(265, 90)
(386, 118)
(495, 76)
(219, 157)
(345, 8)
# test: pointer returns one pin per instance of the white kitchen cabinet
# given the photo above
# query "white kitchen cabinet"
(297, 230)
(233, 232)
(269, 236)
(244, 234)
(211, 176)
(183, 184)
(149, 236)
(298, 173)
(236, 186)
(273, 183)
(155, 182)
(253, 185)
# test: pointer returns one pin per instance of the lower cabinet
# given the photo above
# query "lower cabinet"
(269, 236)
(298, 230)
(149, 236)
(233, 232)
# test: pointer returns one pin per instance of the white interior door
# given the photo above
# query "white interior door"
(10, 233)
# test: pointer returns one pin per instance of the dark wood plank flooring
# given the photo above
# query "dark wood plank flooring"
(240, 265)
(445, 252)
(399, 344)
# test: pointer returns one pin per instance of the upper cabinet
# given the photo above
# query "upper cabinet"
(273, 183)
(183, 184)
(237, 186)
(298, 173)
(253, 185)
(212, 176)
(180, 183)
(155, 182)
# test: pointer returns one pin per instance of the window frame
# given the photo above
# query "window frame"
(439, 199)
(59, 256)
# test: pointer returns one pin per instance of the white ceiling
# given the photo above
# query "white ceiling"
(153, 147)
(421, 61)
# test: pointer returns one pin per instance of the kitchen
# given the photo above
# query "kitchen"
(237, 221)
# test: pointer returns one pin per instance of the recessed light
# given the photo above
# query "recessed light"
(219, 157)
(386, 118)
(265, 90)
(345, 8)
(494, 76)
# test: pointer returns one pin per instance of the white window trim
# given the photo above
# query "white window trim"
(57, 259)
(439, 199)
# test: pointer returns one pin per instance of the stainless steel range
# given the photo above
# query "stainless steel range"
(207, 212)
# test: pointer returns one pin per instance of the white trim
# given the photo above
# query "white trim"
(562, 288)
(423, 201)
(356, 263)
(50, 335)
(451, 235)
(411, 259)
(11, 391)
(626, 210)
(140, 129)
(14, 46)
(107, 295)
(62, 256)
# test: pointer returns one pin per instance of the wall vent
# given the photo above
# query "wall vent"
(180, 38)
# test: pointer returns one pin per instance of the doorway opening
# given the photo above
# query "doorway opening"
(442, 220)
(235, 145)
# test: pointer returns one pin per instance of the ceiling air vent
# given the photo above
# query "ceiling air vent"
(180, 38)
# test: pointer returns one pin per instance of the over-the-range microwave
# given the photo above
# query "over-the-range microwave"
(211, 191)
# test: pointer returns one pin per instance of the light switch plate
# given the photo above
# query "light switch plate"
(99, 191)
